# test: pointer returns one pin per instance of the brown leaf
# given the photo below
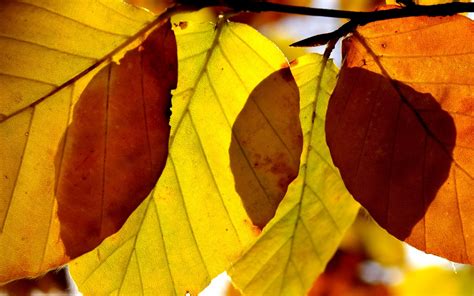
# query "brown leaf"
(116, 146)
(266, 145)
(400, 129)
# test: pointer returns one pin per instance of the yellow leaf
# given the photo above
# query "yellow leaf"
(49, 51)
(46, 43)
(297, 243)
(436, 281)
(193, 225)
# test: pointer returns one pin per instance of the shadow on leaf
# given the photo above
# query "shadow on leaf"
(266, 145)
(116, 146)
(393, 147)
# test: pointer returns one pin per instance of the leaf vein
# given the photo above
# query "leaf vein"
(187, 217)
(20, 165)
(49, 48)
(69, 18)
(213, 177)
(164, 245)
(237, 140)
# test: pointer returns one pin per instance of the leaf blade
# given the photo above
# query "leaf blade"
(420, 170)
(283, 270)
(33, 117)
(31, 40)
(194, 217)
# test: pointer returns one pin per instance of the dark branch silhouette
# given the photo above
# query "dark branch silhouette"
(356, 18)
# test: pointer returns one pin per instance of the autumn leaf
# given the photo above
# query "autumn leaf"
(266, 146)
(308, 225)
(116, 145)
(399, 126)
(50, 50)
(193, 224)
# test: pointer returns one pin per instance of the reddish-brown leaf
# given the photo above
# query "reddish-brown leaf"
(400, 126)
(116, 146)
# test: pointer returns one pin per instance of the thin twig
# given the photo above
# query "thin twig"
(322, 39)
(411, 10)
(356, 18)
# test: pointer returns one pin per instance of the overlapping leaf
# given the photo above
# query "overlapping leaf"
(193, 225)
(116, 146)
(297, 243)
(400, 128)
(49, 50)
(266, 146)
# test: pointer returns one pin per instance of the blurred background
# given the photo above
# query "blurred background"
(369, 261)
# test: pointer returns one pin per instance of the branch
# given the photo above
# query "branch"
(356, 18)
(360, 18)
(411, 10)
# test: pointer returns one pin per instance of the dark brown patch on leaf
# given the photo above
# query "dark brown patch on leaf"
(266, 147)
(116, 146)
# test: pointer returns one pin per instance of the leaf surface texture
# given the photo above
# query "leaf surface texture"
(297, 243)
(193, 225)
(49, 50)
(400, 128)
(116, 145)
(266, 145)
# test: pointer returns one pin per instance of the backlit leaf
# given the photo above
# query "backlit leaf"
(297, 243)
(266, 146)
(400, 128)
(116, 145)
(46, 43)
(50, 49)
(193, 225)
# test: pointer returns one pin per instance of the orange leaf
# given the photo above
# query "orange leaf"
(400, 126)
(116, 146)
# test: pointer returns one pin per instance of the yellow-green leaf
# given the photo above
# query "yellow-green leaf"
(49, 49)
(193, 225)
(297, 243)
